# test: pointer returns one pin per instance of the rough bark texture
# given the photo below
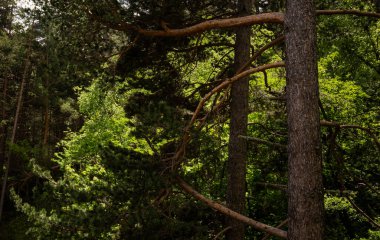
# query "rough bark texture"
(237, 148)
(305, 186)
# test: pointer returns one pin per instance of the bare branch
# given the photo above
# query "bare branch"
(283, 223)
(367, 130)
(226, 211)
(361, 212)
(261, 51)
(281, 187)
(262, 141)
(226, 83)
(221, 232)
(348, 12)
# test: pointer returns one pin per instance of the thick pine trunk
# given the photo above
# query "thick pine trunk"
(305, 203)
(237, 148)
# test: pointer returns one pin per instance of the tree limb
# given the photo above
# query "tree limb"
(361, 212)
(283, 223)
(367, 130)
(226, 211)
(262, 141)
(273, 17)
(348, 12)
(226, 83)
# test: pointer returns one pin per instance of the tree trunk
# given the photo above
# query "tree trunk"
(3, 133)
(13, 136)
(237, 148)
(305, 196)
(46, 128)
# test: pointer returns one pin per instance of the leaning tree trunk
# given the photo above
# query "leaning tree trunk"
(237, 149)
(305, 200)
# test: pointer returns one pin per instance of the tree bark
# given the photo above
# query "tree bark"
(237, 149)
(305, 196)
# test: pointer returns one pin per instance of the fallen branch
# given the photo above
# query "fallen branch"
(226, 211)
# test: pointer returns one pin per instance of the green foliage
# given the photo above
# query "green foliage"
(126, 104)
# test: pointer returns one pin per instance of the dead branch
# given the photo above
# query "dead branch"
(342, 126)
(361, 212)
(226, 211)
(281, 187)
(348, 12)
(221, 232)
(262, 141)
(283, 223)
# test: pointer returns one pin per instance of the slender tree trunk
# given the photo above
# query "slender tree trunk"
(3, 133)
(305, 187)
(13, 136)
(46, 129)
(236, 167)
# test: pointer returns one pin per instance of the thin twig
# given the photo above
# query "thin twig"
(221, 232)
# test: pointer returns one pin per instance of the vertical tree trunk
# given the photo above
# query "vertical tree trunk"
(237, 148)
(3, 132)
(46, 129)
(305, 203)
(13, 136)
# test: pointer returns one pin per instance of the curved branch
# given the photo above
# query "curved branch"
(257, 54)
(367, 130)
(273, 17)
(226, 211)
(226, 83)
